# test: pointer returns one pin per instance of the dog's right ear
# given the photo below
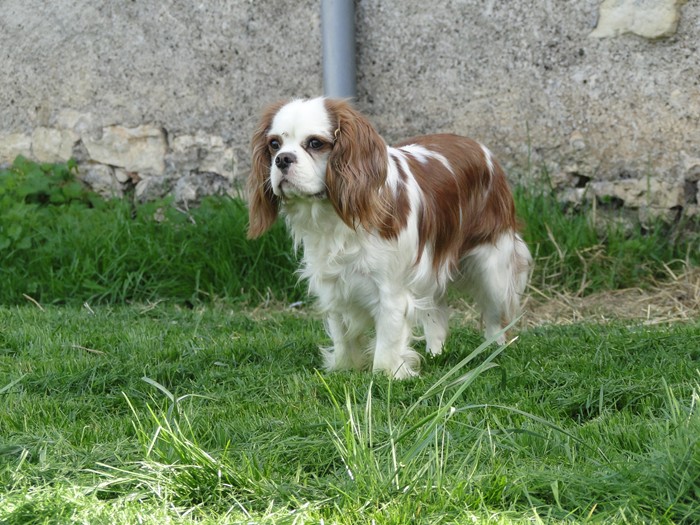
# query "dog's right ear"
(263, 204)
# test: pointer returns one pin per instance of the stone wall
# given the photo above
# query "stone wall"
(162, 97)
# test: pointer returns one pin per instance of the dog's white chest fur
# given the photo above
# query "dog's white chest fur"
(339, 264)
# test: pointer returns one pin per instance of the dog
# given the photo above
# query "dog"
(387, 230)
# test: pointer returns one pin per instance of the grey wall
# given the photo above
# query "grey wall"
(164, 95)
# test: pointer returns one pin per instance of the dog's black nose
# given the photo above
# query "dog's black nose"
(283, 160)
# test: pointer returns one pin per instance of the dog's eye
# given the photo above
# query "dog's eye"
(274, 144)
(315, 144)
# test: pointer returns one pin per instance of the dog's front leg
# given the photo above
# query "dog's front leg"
(392, 353)
(348, 351)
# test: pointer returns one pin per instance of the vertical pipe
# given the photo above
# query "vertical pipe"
(338, 28)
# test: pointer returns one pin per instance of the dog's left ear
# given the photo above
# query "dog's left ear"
(263, 204)
(357, 169)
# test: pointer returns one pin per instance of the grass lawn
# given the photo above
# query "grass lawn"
(137, 385)
(160, 414)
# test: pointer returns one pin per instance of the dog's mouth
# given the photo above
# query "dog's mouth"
(296, 194)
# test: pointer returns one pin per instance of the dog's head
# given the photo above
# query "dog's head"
(316, 149)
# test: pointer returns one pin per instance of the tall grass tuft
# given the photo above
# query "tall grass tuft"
(383, 456)
(177, 468)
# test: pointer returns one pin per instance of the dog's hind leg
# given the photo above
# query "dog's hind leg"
(435, 327)
(495, 275)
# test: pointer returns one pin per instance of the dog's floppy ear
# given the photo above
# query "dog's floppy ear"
(263, 204)
(357, 168)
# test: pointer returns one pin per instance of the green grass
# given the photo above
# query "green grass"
(114, 251)
(163, 414)
(589, 248)
(140, 383)
(60, 244)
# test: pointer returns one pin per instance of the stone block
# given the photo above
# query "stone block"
(641, 193)
(81, 123)
(101, 179)
(690, 166)
(141, 149)
(191, 188)
(646, 18)
(122, 175)
(53, 145)
(13, 145)
(200, 152)
(151, 188)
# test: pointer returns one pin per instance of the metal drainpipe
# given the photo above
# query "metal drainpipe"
(338, 28)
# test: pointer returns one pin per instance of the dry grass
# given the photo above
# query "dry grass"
(675, 299)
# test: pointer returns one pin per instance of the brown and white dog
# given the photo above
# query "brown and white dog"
(385, 230)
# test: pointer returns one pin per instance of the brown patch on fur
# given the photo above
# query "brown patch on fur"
(356, 172)
(399, 206)
(463, 208)
(263, 204)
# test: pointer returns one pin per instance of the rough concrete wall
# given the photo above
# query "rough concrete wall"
(160, 94)
(604, 115)
(165, 95)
